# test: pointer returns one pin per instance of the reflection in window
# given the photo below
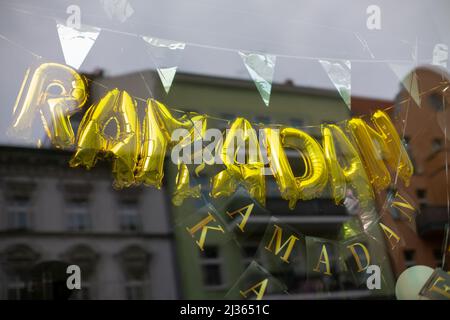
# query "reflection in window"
(16, 289)
(422, 197)
(228, 116)
(129, 215)
(86, 258)
(407, 143)
(211, 264)
(409, 258)
(82, 294)
(135, 262)
(436, 145)
(19, 208)
(437, 101)
(437, 253)
(17, 261)
(395, 213)
(262, 119)
(297, 123)
(249, 254)
(134, 289)
(78, 214)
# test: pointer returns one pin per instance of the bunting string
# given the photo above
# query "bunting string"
(442, 85)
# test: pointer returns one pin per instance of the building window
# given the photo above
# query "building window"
(16, 289)
(437, 101)
(211, 265)
(409, 258)
(86, 259)
(17, 262)
(129, 215)
(421, 193)
(297, 123)
(407, 140)
(272, 188)
(249, 254)
(228, 116)
(422, 197)
(436, 145)
(78, 215)
(135, 263)
(82, 294)
(19, 208)
(262, 119)
(134, 290)
(437, 253)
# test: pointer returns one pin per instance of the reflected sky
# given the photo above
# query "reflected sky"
(298, 32)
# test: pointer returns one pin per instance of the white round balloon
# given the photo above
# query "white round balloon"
(411, 281)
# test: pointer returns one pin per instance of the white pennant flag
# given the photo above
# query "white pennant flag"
(339, 72)
(261, 68)
(76, 42)
(408, 77)
(166, 55)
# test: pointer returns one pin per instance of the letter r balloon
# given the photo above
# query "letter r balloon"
(47, 98)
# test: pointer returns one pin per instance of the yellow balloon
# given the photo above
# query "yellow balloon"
(248, 170)
(372, 156)
(387, 146)
(396, 154)
(336, 173)
(315, 177)
(46, 100)
(182, 188)
(159, 124)
(345, 169)
(279, 164)
(110, 128)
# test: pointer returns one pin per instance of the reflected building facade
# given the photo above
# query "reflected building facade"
(121, 240)
(424, 136)
(129, 243)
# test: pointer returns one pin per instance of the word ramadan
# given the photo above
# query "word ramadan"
(356, 156)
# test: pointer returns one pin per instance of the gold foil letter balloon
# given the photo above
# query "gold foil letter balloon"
(159, 124)
(375, 145)
(244, 165)
(372, 155)
(281, 169)
(396, 154)
(110, 128)
(183, 189)
(344, 165)
(47, 99)
(311, 183)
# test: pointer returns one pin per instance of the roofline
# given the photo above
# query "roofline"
(245, 84)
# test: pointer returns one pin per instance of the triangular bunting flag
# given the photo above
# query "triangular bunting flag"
(76, 43)
(339, 72)
(166, 55)
(166, 75)
(261, 68)
(409, 79)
